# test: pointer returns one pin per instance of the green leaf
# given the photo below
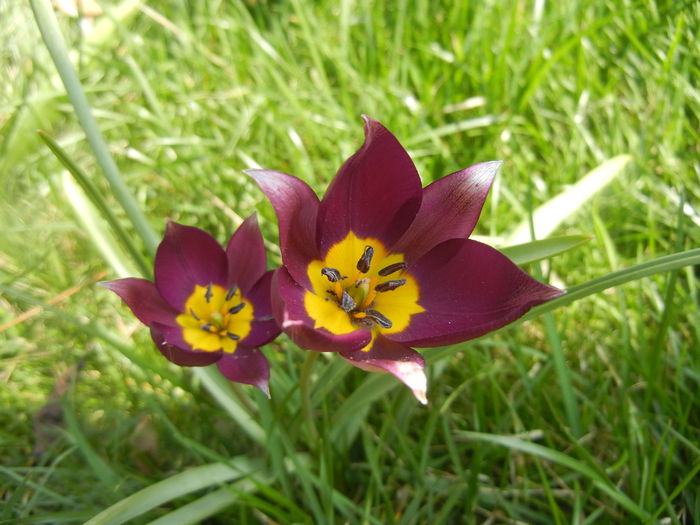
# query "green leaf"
(561, 459)
(542, 249)
(552, 213)
(186, 482)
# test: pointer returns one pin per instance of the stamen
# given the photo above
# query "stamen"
(388, 270)
(206, 327)
(236, 309)
(233, 336)
(208, 293)
(231, 292)
(264, 318)
(331, 274)
(390, 285)
(378, 318)
(194, 315)
(366, 259)
(347, 303)
(359, 315)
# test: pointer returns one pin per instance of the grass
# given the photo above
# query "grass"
(588, 414)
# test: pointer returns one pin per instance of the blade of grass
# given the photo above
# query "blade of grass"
(51, 34)
(544, 248)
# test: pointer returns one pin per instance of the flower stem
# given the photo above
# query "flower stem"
(305, 388)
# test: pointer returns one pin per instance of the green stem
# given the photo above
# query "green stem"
(305, 386)
(51, 34)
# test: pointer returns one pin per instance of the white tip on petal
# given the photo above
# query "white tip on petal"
(413, 377)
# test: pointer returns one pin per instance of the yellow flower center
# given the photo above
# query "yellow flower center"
(360, 284)
(215, 318)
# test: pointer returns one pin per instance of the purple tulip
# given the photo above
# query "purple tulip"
(208, 305)
(380, 264)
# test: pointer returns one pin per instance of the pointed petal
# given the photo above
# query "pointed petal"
(187, 256)
(144, 300)
(264, 328)
(387, 356)
(376, 193)
(450, 209)
(246, 255)
(468, 289)
(179, 356)
(246, 365)
(288, 306)
(296, 206)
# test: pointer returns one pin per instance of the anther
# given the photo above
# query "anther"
(208, 293)
(231, 292)
(366, 259)
(206, 327)
(379, 318)
(390, 285)
(347, 303)
(331, 274)
(194, 314)
(236, 309)
(388, 270)
(233, 337)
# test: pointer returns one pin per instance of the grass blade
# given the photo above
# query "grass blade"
(543, 249)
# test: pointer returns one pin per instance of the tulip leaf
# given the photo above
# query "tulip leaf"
(175, 486)
(543, 249)
(592, 473)
(552, 213)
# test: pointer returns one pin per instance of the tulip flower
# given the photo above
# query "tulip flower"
(380, 264)
(208, 305)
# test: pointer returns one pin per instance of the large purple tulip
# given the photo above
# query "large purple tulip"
(381, 264)
(208, 305)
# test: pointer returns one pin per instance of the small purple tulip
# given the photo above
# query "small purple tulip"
(208, 305)
(380, 264)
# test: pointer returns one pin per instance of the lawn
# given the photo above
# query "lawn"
(586, 412)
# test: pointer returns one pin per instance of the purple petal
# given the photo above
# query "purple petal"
(178, 355)
(288, 305)
(376, 193)
(187, 256)
(468, 289)
(264, 328)
(246, 255)
(402, 362)
(247, 365)
(296, 206)
(143, 298)
(450, 209)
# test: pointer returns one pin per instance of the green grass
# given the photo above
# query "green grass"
(588, 414)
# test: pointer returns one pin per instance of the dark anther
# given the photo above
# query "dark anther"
(231, 292)
(233, 337)
(194, 314)
(331, 274)
(208, 294)
(390, 285)
(264, 318)
(379, 318)
(347, 303)
(366, 259)
(393, 268)
(236, 309)
(206, 327)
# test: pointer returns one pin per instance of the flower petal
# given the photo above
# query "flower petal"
(187, 256)
(402, 362)
(247, 365)
(376, 193)
(143, 298)
(468, 289)
(450, 209)
(246, 255)
(178, 355)
(296, 206)
(288, 306)
(264, 327)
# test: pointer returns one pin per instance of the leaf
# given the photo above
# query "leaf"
(552, 213)
(542, 249)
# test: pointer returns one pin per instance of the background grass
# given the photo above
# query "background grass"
(188, 94)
